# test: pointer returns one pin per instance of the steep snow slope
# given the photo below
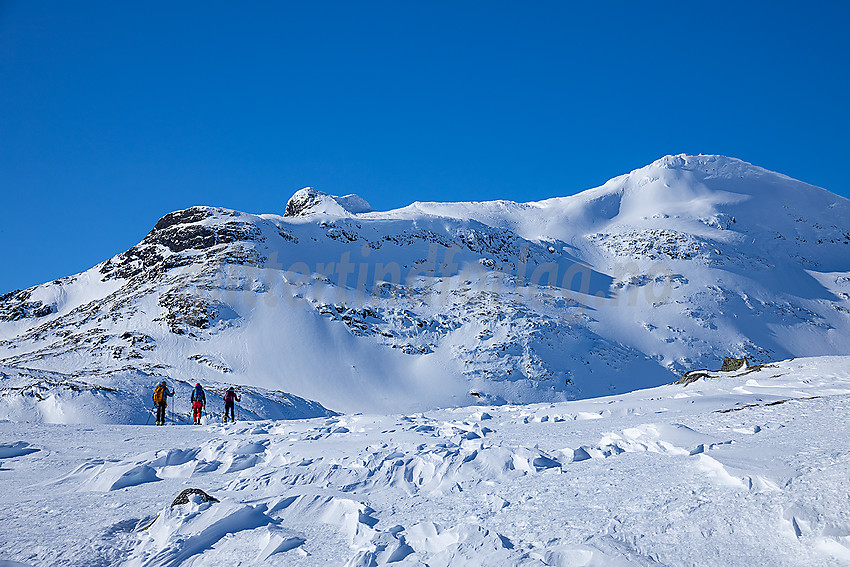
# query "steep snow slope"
(670, 267)
(744, 468)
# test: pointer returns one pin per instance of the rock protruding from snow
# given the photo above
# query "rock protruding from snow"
(309, 201)
(187, 495)
(186, 216)
(731, 364)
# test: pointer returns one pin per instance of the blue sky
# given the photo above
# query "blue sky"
(115, 113)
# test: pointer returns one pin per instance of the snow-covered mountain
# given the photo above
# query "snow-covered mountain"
(668, 268)
(744, 468)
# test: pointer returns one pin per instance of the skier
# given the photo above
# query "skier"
(199, 402)
(229, 398)
(160, 400)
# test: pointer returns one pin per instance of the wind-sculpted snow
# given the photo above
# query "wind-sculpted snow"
(16, 449)
(738, 468)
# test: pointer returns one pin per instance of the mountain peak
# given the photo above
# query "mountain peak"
(713, 165)
(309, 201)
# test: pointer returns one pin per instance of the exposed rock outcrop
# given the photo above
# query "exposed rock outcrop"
(178, 232)
(17, 305)
(731, 364)
(183, 497)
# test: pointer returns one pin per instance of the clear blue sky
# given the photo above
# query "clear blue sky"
(115, 113)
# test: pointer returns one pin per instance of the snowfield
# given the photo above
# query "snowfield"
(737, 468)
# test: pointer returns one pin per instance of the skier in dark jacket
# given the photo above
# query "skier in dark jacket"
(160, 400)
(199, 402)
(230, 398)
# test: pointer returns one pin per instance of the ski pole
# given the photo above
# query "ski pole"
(149, 417)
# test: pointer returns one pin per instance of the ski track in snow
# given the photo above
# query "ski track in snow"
(714, 473)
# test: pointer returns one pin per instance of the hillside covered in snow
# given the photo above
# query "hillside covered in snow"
(743, 468)
(332, 306)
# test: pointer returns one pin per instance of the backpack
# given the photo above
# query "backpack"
(198, 394)
(229, 396)
(159, 394)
